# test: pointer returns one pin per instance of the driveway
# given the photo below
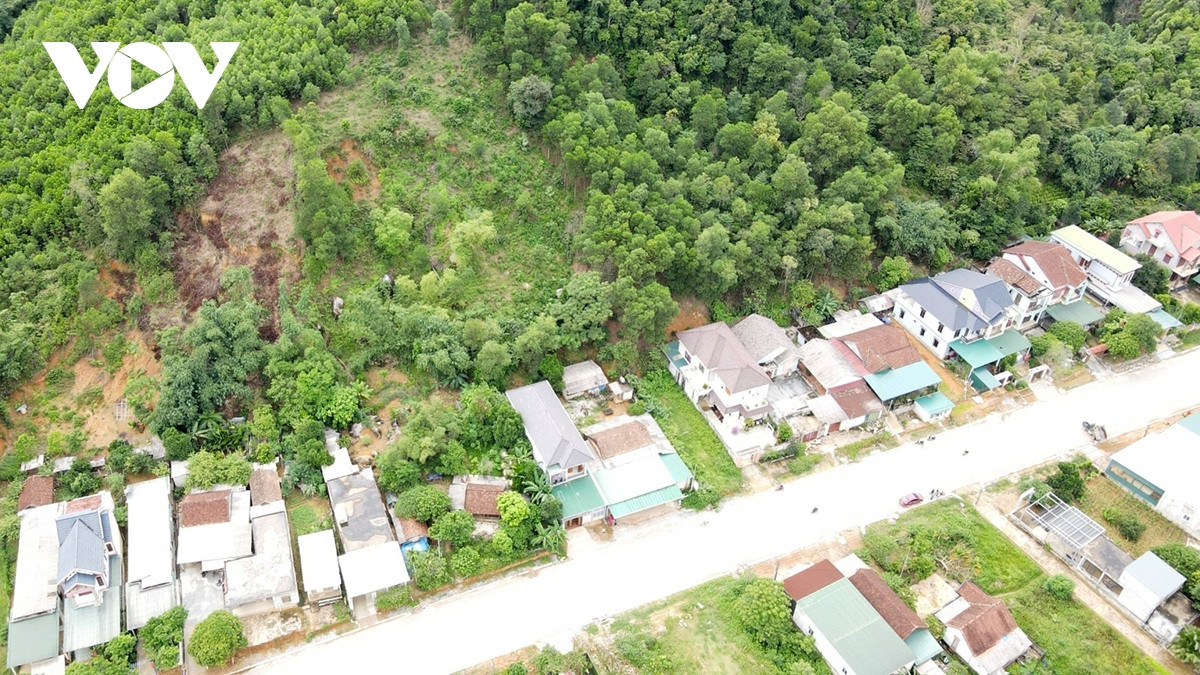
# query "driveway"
(658, 558)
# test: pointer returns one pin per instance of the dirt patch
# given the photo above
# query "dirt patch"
(245, 218)
(692, 312)
(338, 162)
(94, 392)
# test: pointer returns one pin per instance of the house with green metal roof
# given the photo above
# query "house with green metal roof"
(581, 500)
(851, 635)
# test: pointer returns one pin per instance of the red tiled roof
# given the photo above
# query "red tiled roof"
(985, 622)
(805, 583)
(1014, 276)
(882, 347)
(90, 503)
(204, 508)
(481, 499)
(894, 611)
(1055, 260)
(37, 491)
(264, 487)
(857, 400)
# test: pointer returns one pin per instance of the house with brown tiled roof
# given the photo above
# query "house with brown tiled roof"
(981, 630)
(1039, 274)
(37, 491)
(898, 615)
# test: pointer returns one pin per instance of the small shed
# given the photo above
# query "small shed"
(582, 378)
(935, 406)
(1146, 584)
(37, 491)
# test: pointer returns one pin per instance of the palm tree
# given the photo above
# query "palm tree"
(825, 304)
(553, 538)
(537, 486)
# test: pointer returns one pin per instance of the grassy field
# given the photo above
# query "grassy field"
(693, 439)
(690, 632)
(952, 539)
(1103, 492)
(1075, 638)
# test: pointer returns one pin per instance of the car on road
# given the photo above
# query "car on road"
(911, 499)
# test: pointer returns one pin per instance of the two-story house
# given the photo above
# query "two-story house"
(1040, 275)
(960, 305)
(1170, 237)
(717, 371)
(1029, 297)
(557, 445)
(87, 550)
(1109, 270)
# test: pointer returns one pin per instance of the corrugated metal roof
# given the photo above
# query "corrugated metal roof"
(935, 403)
(1009, 342)
(647, 501)
(1089, 246)
(35, 588)
(977, 354)
(923, 645)
(141, 605)
(1169, 460)
(32, 639)
(1164, 319)
(897, 382)
(633, 479)
(983, 380)
(1081, 312)
(674, 463)
(151, 554)
(856, 631)
(1155, 575)
(578, 496)
(85, 627)
(318, 562)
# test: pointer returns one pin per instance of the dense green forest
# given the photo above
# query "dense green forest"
(760, 156)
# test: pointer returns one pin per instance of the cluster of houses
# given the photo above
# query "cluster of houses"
(862, 627)
(866, 363)
(620, 470)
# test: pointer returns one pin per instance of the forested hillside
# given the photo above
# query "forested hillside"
(542, 191)
(64, 187)
(730, 147)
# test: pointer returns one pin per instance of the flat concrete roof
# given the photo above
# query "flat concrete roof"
(268, 573)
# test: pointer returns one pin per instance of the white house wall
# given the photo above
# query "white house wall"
(908, 313)
(1180, 512)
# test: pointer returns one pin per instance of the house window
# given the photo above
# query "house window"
(922, 332)
(941, 328)
(922, 312)
(935, 343)
(1166, 258)
(901, 314)
(1153, 249)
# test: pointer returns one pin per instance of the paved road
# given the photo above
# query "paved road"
(648, 562)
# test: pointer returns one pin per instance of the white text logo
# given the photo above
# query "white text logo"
(166, 60)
